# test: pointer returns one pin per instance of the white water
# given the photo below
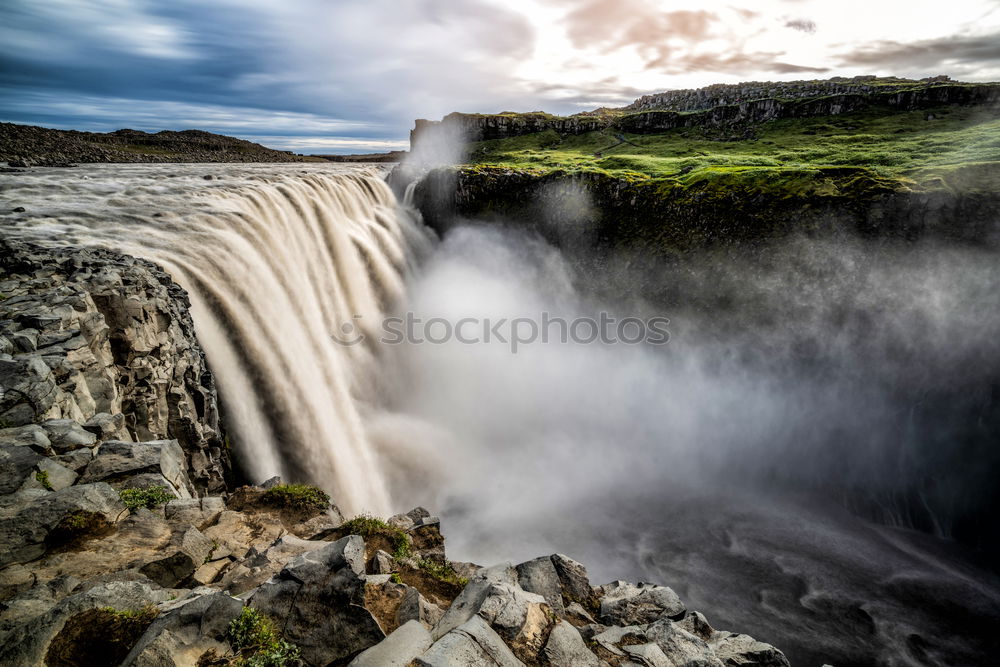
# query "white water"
(276, 258)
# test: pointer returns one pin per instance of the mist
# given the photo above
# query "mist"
(828, 392)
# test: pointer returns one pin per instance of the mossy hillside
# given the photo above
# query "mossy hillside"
(889, 142)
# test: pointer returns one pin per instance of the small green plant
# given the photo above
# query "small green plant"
(76, 520)
(296, 496)
(42, 477)
(395, 578)
(148, 498)
(367, 526)
(257, 642)
(442, 571)
(142, 616)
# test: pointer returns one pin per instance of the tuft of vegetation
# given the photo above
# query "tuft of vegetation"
(296, 496)
(368, 526)
(395, 578)
(42, 477)
(257, 642)
(149, 498)
(442, 572)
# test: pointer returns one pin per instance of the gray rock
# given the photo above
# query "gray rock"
(67, 435)
(56, 476)
(134, 464)
(270, 483)
(314, 597)
(739, 650)
(32, 436)
(28, 643)
(623, 603)
(415, 607)
(649, 655)
(76, 460)
(107, 426)
(521, 618)
(29, 390)
(27, 519)
(565, 648)
(471, 599)
(399, 649)
(573, 578)
(696, 623)
(680, 646)
(197, 512)
(189, 551)
(540, 576)
(185, 630)
(471, 643)
(610, 638)
(17, 463)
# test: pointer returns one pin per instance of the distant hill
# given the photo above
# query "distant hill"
(26, 145)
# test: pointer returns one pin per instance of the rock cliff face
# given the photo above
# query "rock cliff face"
(105, 341)
(121, 544)
(712, 111)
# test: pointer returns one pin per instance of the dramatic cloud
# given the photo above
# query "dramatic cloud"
(353, 74)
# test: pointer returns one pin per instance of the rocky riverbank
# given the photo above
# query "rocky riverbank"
(125, 540)
(28, 145)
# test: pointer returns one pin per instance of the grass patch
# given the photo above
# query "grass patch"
(370, 527)
(149, 498)
(42, 477)
(442, 572)
(257, 643)
(890, 142)
(296, 496)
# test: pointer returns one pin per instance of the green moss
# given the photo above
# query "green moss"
(368, 526)
(257, 642)
(42, 477)
(149, 498)
(442, 572)
(296, 496)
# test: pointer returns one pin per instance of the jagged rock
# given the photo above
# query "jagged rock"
(186, 554)
(29, 390)
(523, 619)
(572, 578)
(737, 650)
(270, 483)
(236, 533)
(314, 598)
(28, 643)
(330, 519)
(565, 648)
(198, 512)
(623, 603)
(472, 597)
(65, 435)
(31, 436)
(540, 576)
(17, 463)
(471, 643)
(185, 630)
(649, 655)
(106, 426)
(426, 539)
(210, 571)
(49, 475)
(415, 607)
(141, 465)
(76, 460)
(259, 566)
(610, 638)
(679, 646)
(399, 649)
(696, 623)
(26, 518)
(577, 615)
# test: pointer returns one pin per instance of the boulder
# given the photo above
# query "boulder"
(236, 533)
(399, 649)
(471, 643)
(540, 576)
(523, 619)
(197, 512)
(315, 600)
(572, 578)
(49, 475)
(107, 426)
(28, 517)
(17, 463)
(471, 599)
(185, 630)
(29, 390)
(622, 603)
(32, 436)
(187, 552)
(259, 566)
(414, 607)
(679, 646)
(565, 648)
(739, 650)
(141, 465)
(67, 435)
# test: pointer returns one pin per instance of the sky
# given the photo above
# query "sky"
(350, 76)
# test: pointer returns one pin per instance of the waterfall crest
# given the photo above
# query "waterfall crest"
(279, 267)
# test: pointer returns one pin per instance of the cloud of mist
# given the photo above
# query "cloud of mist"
(855, 372)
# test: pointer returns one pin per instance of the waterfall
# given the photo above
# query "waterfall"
(278, 266)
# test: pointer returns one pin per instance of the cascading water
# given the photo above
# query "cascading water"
(276, 262)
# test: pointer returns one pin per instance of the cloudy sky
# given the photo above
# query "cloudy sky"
(343, 76)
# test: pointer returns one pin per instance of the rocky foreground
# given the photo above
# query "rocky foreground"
(123, 539)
